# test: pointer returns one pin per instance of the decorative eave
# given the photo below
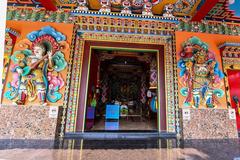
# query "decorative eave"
(221, 12)
(120, 15)
(211, 27)
(229, 44)
(230, 50)
(122, 23)
(37, 14)
(133, 23)
(145, 38)
(204, 10)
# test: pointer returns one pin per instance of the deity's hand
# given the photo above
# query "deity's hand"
(19, 70)
(50, 63)
(50, 54)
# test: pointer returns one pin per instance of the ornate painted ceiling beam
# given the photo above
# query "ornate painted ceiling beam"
(225, 10)
(204, 10)
(48, 4)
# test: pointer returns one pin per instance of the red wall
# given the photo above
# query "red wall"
(234, 86)
(93, 73)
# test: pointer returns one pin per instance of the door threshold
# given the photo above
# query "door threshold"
(118, 135)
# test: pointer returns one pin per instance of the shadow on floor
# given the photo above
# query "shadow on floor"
(120, 149)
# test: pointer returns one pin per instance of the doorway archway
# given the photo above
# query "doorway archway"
(86, 40)
(125, 78)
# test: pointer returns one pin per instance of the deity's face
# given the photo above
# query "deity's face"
(201, 57)
(38, 51)
(188, 48)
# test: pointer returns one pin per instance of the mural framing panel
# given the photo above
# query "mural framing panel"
(230, 58)
(10, 40)
(170, 69)
(36, 63)
(230, 53)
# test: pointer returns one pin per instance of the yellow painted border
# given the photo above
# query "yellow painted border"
(82, 43)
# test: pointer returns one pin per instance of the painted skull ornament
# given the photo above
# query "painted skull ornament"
(126, 7)
(168, 11)
(82, 5)
(105, 6)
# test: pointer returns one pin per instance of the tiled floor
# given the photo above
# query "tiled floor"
(132, 123)
(153, 149)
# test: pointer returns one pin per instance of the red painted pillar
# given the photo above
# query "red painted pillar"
(203, 11)
(48, 4)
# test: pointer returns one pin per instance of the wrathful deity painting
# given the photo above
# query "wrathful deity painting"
(36, 68)
(201, 77)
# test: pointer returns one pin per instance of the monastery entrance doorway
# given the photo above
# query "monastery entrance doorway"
(122, 90)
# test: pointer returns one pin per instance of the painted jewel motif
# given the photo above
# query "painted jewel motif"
(36, 69)
(200, 75)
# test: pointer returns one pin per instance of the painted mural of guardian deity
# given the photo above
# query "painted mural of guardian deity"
(37, 68)
(200, 75)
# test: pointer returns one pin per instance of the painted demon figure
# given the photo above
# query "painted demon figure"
(200, 75)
